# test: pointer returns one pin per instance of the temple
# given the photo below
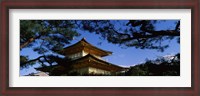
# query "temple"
(86, 59)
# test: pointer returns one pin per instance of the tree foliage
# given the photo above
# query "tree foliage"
(44, 36)
(134, 33)
(159, 67)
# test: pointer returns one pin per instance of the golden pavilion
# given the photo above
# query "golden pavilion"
(86, 59)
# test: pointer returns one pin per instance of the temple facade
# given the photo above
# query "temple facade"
(86, 59)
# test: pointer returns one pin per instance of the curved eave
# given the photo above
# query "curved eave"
(62, 52)
(108, 52)
(104, 52)
(87, 57)
(95, 58)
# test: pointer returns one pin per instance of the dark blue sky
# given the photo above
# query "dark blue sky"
(121, 56)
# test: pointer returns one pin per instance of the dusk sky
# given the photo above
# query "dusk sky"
(126, 57)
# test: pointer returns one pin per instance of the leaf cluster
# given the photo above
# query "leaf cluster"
(133, 33)
(44, 37)
(158, 67)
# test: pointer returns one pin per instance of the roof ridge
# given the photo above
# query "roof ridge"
(95, 46)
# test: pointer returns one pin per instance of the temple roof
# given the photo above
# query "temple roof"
(83, 45)
(96, 62)
(88, 61)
